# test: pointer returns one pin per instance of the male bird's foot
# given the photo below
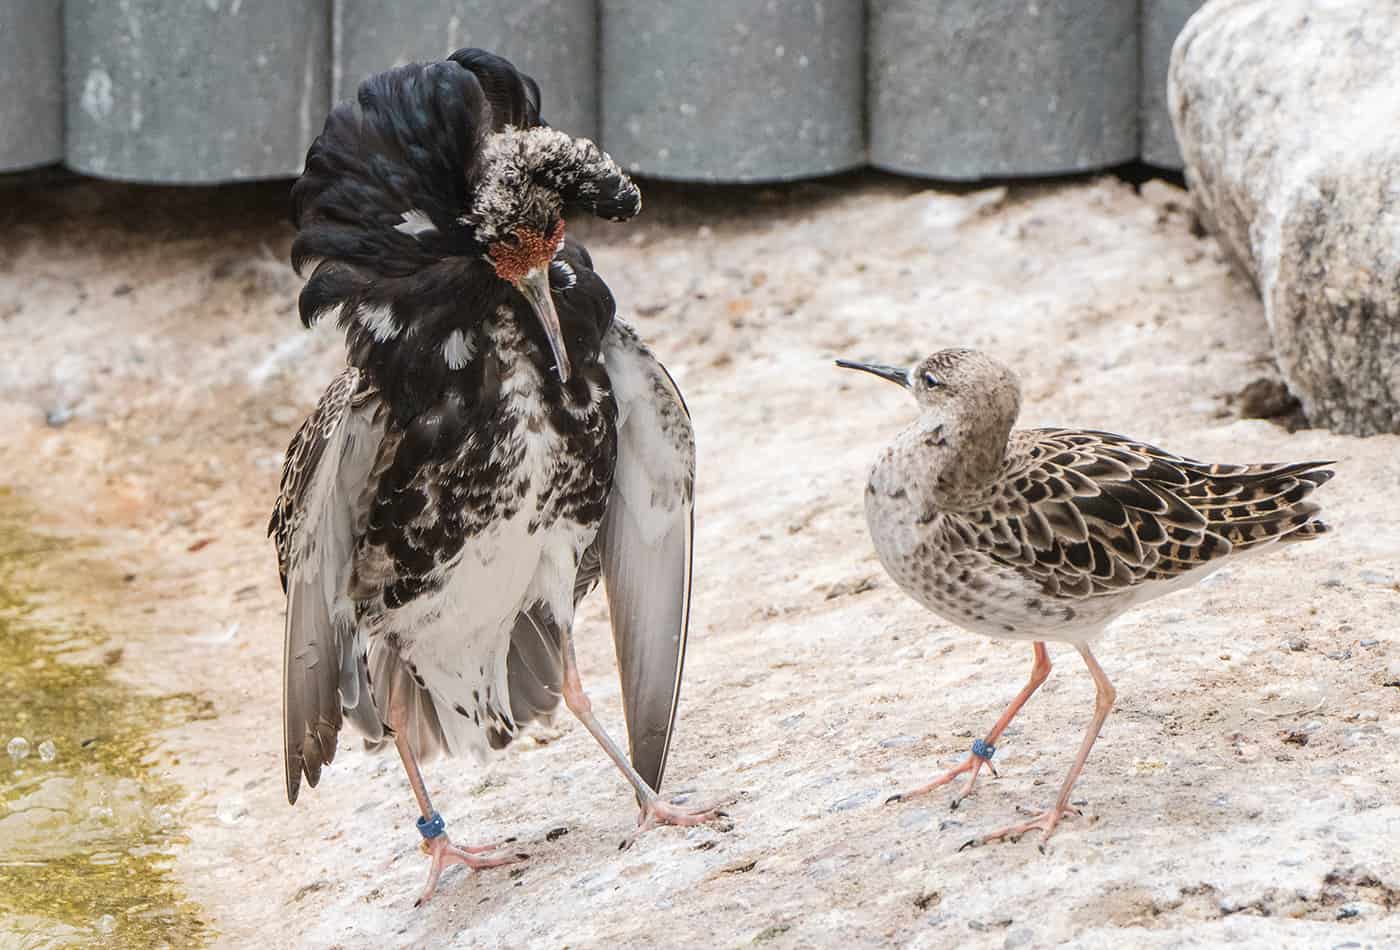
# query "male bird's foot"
(973, 764)
(659, 812)
(444, 854)
(1045, 823)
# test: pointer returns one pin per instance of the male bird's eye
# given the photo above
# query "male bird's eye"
(931, 381)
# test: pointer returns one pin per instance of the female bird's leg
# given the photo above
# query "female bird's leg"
(655, 810)
(436, 844)
(983, 749)
(1104, 696)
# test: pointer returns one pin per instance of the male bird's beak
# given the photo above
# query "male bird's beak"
(894, 375)
(534, 287)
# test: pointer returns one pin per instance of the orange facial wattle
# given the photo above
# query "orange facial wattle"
(532, 249)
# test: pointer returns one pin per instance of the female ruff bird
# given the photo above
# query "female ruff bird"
(1051, 534)
(497, 443)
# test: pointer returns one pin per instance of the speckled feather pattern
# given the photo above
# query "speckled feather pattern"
(437, 504)
(1069, 527)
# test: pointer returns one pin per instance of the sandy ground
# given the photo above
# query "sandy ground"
(1246, 790)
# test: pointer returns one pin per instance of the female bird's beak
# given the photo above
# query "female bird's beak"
(894, 375)
(534, 287)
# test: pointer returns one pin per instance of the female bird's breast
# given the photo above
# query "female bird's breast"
(938, 558)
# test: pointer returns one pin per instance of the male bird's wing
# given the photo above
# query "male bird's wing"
(644, 545)
(317, 519)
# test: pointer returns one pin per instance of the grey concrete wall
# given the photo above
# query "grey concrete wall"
(555, 41)
(179, 91)
(1161, 21)
(205, 91)
(31, 83)
(967, 90)
(733, 90)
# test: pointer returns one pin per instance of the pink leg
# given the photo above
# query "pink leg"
(655, 810)
(974, 762)
(1046, 821)
(436, 844)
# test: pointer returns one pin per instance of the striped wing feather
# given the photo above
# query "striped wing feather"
(1087, 513)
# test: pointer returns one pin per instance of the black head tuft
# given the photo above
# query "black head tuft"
(431, 163)
(514, 97)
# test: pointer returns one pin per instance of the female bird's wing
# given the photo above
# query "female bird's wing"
(644, 545)
(1089, 513)
(315, 525)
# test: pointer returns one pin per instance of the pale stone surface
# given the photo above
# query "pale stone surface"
(186, 372)
(1288, 115)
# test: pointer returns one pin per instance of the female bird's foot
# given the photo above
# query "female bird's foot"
(444, 854)
(981, 755)
(1045, 822)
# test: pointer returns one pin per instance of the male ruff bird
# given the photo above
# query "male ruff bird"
(1051, 534)
(497, 444)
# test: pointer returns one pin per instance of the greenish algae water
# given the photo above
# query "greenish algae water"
(86, 838)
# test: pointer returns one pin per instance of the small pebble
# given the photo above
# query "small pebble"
(105, 924)
(1368, 642)
(230, 811)
(854, 801)
(1020, 937)
(1376, 577)
(894, 742)
(911, 819)
(47, 751)
(1294, 645)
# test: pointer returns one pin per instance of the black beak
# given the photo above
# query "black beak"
(893, 374)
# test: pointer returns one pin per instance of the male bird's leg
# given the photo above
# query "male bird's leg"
(436, 844)
(655, 810)
(1104, 696)
(983, 749)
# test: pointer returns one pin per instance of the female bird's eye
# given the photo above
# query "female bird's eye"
(931, 381)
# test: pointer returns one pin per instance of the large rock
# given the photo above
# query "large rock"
(1288, 117)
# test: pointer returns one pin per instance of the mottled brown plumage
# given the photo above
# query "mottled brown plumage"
(1051, 534)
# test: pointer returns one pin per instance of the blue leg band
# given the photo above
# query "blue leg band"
(983, 749)
(430, 828)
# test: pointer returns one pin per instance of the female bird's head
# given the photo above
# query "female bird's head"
(968, 403)
(438, 188)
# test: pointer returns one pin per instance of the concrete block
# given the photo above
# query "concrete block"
(964, 90)
(176, 91)
(733, 90)
(555, 41)
(1162, 20)
(31, 75)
